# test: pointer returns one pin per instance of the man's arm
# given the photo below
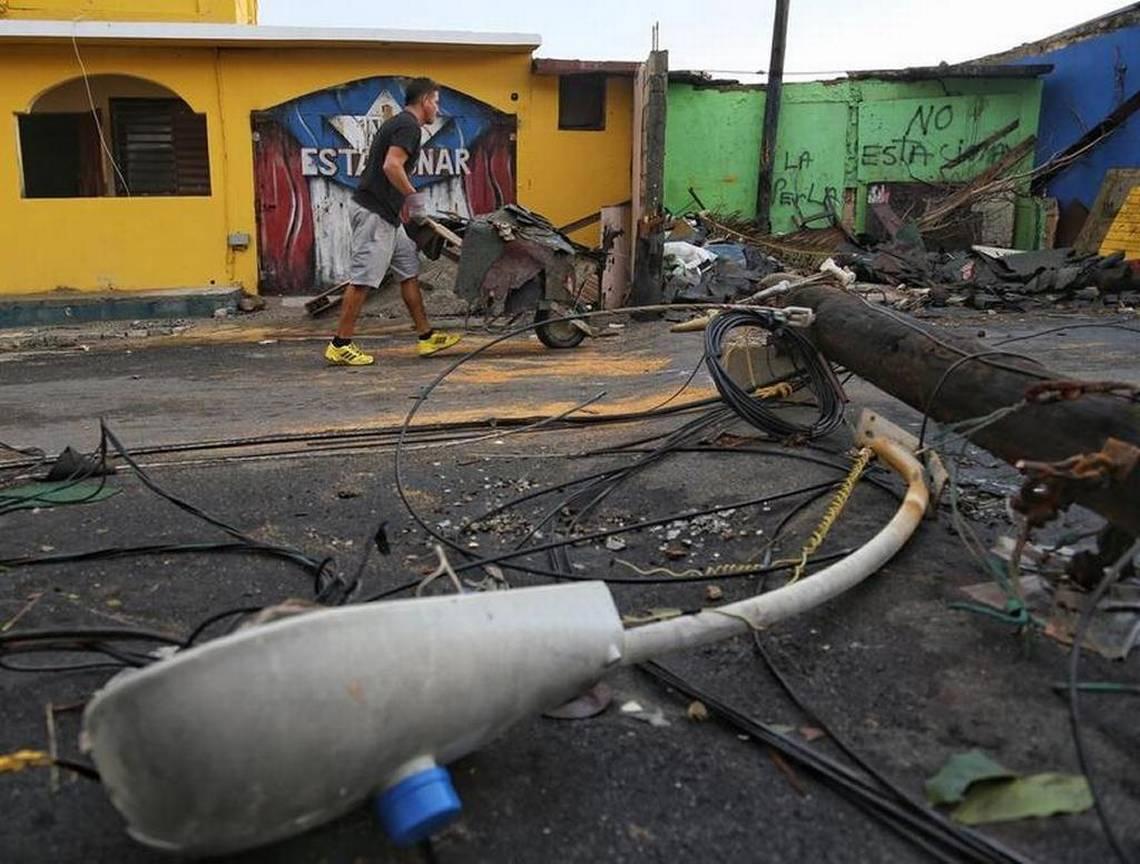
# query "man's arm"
(394, 161)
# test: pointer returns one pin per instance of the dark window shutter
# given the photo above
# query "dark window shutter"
(582, 102)
(161, 147)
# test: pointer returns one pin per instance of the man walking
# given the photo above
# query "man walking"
(379, 241)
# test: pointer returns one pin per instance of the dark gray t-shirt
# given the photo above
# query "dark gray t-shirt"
(376, 192)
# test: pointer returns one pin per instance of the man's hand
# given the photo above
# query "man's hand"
(417, 206)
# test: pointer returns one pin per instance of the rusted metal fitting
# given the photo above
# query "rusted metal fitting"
(1051, 486)
(1065, 390)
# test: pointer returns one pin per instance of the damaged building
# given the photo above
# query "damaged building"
(844, 146)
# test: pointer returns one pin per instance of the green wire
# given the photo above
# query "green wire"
(1101, 687)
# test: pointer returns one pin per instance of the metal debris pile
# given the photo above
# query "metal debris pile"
(715, 258)
(983, 277)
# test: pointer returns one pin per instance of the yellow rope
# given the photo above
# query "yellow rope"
(744, 569)
(21, 759)
(833, 510)
(714, 570)
(711, 572)
(814, 542)
(775, 391)
(658, 571)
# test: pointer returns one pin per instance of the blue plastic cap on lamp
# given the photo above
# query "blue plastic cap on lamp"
(418, 806)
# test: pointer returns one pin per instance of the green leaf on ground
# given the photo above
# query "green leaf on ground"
(32, 495)
(961, 770)
(1024, 797)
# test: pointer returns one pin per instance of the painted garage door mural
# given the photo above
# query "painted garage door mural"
(309, 154)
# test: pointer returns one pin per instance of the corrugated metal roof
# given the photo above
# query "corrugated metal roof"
(257, 36)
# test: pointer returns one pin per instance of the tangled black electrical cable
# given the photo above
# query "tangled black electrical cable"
(329, 587)
(812, 371)
(38, 457)
(93, 465)
(677, 441)
(1111, 574)
(422, 397)
(816, 372)
(1106, 325)
(326, 583)
(979, 843)
(86, 640)
(601, 485)
(928, 830)
(586, 499)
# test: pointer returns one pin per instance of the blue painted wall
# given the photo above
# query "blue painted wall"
(1090, 78)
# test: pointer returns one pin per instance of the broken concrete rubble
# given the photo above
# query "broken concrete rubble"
(983, 278)
(901, 273)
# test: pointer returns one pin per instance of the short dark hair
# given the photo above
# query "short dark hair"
(417, 89)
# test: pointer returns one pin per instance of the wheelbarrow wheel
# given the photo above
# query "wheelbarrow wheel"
(557, 334)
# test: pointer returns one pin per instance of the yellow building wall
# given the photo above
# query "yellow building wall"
(571, 174)
(165, 242)
(109, 243)
(215, 11)
(245, 11)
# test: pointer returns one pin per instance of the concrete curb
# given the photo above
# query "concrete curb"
(51, 309)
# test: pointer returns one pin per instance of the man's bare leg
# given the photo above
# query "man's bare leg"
(430, 341)
(350, 306)
(414, 300)
(342, 351)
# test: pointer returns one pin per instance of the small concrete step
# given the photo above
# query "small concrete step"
(39, 310)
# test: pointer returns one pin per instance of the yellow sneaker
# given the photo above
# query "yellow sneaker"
(347, 355)
(438, 341)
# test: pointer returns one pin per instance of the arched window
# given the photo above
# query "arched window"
(113, 135)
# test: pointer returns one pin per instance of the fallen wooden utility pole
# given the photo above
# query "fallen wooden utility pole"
(955, 379)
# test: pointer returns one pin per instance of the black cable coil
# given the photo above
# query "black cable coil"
(811, 367)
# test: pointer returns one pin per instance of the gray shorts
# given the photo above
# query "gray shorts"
(378, 245)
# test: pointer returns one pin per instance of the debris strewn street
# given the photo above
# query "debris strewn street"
(758, 482)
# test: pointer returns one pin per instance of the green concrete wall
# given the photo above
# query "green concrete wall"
(836, 139)
(808, 176)
(707, 135)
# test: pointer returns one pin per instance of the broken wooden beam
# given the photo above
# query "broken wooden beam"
(985, 184)
(973, 150)
(1113, 121)
(326, 300)
(444, 232)
(939, 374)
